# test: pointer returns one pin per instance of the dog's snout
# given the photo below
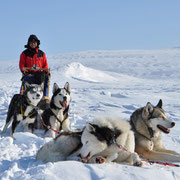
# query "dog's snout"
(173, 124)
(64, 98)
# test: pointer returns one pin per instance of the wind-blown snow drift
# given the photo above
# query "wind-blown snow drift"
(80, 72)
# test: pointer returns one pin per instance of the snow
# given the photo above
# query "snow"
(103, 83)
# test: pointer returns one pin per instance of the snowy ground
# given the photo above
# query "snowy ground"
(103, 83)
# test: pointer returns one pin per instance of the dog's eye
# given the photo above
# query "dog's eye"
(33, 90)
(162, 117)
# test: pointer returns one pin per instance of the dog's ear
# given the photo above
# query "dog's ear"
(148, 109)
(55, 88)
(42, 85)
(90, 127)
(26, 85)
(159, 104)
(67, 87)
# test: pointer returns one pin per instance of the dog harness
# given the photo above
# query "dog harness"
(29, 115)
(61, 122)
(151, 132)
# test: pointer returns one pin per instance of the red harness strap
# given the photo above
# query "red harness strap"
(161, 163)
(49, 127)
(150, 161)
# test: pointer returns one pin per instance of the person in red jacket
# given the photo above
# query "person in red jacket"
(32, 56)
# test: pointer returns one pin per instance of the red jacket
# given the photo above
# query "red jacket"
(29, 57)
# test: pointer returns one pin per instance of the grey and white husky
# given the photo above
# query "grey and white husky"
(56, 116)
(148, 123)
(100, 141)
(23, 108)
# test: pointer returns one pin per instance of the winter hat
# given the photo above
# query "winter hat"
(32, 38)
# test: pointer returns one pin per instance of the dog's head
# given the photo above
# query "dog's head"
(61, 96)
(95, 139)
(156, 118)
(34, 94)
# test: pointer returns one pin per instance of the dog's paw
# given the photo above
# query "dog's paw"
(97, 160)
(100, 159)
(136, 160)
(138, 163)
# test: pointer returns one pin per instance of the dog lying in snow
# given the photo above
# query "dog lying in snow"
(99, 142)
(148, 123)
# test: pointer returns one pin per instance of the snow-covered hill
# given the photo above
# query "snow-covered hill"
(103, 83)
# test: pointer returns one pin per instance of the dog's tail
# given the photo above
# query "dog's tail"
(8, 121)
(11, 111)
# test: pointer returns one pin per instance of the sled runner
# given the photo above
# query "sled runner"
(35, 75)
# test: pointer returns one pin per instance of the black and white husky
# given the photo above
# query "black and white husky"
(23, 108)
(103, 140)
(56, 116)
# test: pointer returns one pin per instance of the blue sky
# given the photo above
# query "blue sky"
(76, 25)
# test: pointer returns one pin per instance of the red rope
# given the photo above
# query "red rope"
(49, 127)
(150, 161)
(162, 163)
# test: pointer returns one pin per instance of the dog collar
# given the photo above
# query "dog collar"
(151, 132)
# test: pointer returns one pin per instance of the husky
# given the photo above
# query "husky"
(100, 141)
(109, 139)
(56, 116)
(22, 108)
(148, 123)
(64, 147)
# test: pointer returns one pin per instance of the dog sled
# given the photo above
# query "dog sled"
(36, 75)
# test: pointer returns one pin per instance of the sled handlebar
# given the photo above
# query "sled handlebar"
(36, 68)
